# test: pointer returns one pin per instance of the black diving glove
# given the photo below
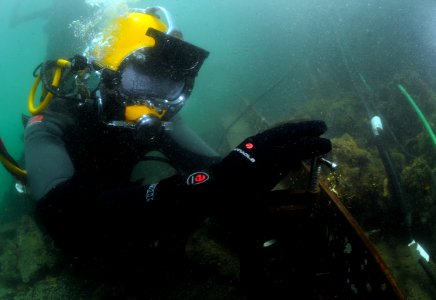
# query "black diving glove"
(262, 160)
(255, 166)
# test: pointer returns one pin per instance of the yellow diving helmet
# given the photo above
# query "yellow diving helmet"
(127, 34)
(145, 62)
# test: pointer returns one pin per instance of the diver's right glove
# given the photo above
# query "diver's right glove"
(262, 160)
(255, 166)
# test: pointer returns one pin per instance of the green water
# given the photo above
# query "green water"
(253, 45)
(23, 48)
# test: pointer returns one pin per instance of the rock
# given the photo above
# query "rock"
(34, 255)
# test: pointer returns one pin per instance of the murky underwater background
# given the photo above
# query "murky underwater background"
(341, 61)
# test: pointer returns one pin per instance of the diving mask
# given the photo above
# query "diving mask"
(163, 75)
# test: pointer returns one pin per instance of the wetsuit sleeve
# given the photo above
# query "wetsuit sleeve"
(186, 149)
(46, 160)
(89, 217)
(101, 220)
(72, 210)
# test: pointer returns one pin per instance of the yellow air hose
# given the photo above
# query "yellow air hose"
(17, 171)
(60, 65)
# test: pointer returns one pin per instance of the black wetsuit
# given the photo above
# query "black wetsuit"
(79, 172)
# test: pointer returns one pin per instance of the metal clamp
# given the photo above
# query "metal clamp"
(315, 172)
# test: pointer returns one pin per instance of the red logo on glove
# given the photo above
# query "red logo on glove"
(197, 178)
(249, 146)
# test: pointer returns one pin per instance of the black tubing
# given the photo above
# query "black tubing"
(394, 180)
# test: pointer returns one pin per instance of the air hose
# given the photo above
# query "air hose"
(12, 168)
(60, 65)
(419, 113)
(378, 134)
(392, 173)
(11, 165)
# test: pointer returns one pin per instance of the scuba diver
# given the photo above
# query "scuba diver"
(100, 114)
